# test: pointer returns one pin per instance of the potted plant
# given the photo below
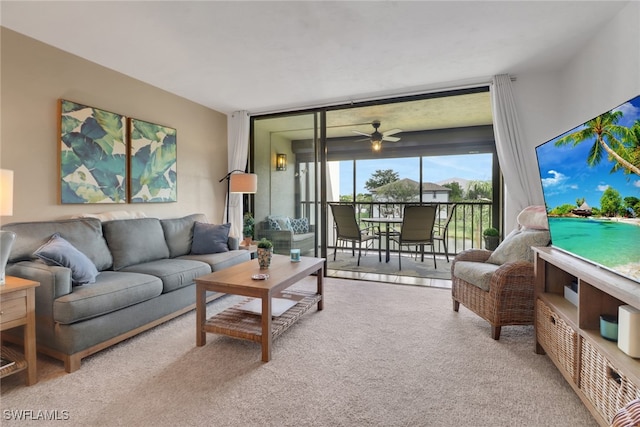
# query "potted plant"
(247, 228)
(491, 238)
(265, 249)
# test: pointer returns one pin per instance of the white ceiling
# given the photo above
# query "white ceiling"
(272, 56)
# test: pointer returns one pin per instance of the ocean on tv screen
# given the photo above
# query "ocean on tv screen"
(590, 178)
(611, 243)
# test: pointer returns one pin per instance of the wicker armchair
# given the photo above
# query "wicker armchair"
(505, 296)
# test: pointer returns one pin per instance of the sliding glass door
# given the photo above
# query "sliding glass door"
(285, 157)
(378, 156)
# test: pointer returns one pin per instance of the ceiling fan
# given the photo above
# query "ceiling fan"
(376, 137)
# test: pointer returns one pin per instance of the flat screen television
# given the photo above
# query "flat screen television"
(590, 179)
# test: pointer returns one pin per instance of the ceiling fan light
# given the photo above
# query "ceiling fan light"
(376, 137)
(376, 145)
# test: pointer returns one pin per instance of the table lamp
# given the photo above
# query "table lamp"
(6, 209)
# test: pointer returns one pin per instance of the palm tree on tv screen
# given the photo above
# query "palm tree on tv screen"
(617, 141)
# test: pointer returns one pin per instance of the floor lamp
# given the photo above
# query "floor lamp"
(245, 183)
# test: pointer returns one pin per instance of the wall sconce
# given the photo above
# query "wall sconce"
(281, 162)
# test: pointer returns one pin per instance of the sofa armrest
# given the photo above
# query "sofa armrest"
(282, 240)
(512, 276)
(54, 277)
(54, 282)
(474, 255)
(233, 243)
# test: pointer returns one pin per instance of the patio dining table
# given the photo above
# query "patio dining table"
(387, 222)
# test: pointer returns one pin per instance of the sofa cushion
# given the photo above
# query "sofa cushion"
(299, 225)
(111, 291)
(221, 260)
(134, 241)
(113, 215)
(85, 234)
(302, 237)
(57, 251)
(178, 232)
(174, 273)
(477, 273)
(517, 246)
(210, 238)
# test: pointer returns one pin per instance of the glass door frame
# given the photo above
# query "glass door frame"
(321, 158)
(312, 188)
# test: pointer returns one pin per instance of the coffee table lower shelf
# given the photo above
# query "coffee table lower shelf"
(235, 322)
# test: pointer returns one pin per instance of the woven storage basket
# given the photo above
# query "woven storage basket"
(628, 416)
(559, 340)
(604, 385)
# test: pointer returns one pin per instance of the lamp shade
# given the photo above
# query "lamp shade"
(6, 192)
(243, 183)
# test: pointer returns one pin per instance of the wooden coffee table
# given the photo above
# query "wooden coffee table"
(236, 280)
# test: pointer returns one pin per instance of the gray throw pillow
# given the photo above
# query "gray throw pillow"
(57, 251)
(210, 238)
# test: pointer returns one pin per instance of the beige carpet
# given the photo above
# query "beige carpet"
(377, 355)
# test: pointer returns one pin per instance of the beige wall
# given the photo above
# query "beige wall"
(34, 76)
(553, 101)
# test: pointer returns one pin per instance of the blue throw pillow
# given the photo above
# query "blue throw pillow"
(299, 225)
(210, 238)
(58, 251)
(273, 224)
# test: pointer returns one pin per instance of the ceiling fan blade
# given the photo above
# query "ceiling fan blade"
(391, 132)
(360, 133)
(391, 138)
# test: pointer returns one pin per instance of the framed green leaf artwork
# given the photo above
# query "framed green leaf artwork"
(93, 155)
(152, 161)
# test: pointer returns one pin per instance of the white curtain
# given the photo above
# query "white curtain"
(517, 159)
(238, 149)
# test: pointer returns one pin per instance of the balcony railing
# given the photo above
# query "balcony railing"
(464, 231)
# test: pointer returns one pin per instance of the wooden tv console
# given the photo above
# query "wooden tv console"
(602, 375)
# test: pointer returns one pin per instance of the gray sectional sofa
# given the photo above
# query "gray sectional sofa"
(130, 275)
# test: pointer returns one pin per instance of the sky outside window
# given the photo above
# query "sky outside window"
(472, 167)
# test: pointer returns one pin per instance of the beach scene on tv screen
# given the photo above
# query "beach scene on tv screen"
(591, 183)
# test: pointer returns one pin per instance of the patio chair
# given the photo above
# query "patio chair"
(442, 230)
(417, 230)
(348, 230)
